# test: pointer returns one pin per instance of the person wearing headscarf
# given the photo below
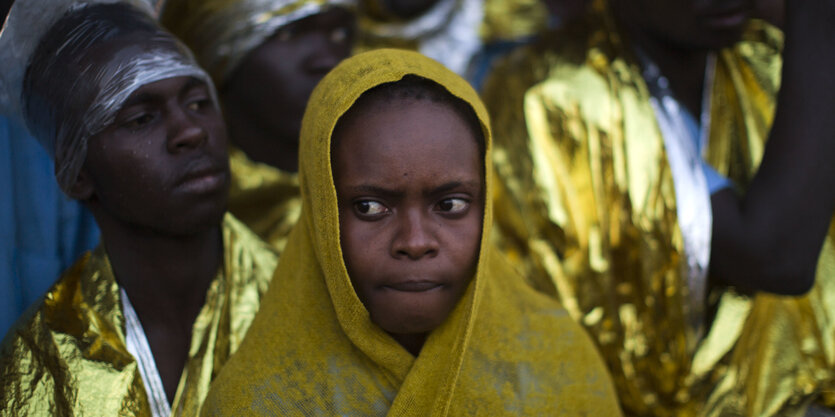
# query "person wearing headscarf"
(265, 57)
(633, 165)
(387, 300)
(142, 324)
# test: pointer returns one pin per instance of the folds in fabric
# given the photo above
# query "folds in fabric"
(588, 209)
(67, 355)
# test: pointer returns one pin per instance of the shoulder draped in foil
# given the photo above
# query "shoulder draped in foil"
(585, 204)
(67, 355)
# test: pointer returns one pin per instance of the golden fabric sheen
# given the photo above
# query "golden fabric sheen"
(586, 206)
(67, 355)
(312, 349)
(222, 32)
(512, 19)
(265, 198)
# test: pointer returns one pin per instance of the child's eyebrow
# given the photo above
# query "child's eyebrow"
(387, 192)
(451, 186)
(375, 189)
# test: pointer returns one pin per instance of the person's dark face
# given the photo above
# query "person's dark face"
(700, 24)
(409, 186)
(162, 165)
(274, 81)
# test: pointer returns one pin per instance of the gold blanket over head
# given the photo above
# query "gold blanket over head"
(67, 355)
(586, 205)
(221, 33)
(313, 350)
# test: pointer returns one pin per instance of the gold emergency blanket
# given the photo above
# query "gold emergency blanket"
(312, 349)
(222, 32)
(67, 355)
(586, 206)
(265, 198)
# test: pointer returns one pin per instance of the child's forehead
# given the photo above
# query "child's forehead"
(372, 116)
(392, 109)
(414, 137)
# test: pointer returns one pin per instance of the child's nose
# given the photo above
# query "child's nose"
(415, 238)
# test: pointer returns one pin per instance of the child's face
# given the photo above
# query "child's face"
(409, 185)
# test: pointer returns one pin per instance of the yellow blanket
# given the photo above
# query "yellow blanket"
(313, 350)
(67, 355)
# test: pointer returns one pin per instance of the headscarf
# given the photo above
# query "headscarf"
(313, 349)
(222, 32)
(52, 82)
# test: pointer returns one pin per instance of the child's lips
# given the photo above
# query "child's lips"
(413, 286)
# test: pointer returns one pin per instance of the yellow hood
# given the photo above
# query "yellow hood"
(313, 350)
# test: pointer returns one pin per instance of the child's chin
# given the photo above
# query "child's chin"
(406, 324)
(405, 313)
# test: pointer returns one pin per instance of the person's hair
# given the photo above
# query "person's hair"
(412, 87)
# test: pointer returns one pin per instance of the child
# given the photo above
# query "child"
(388, 299)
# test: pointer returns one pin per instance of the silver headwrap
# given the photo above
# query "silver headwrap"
(222, 32)
(63, 92)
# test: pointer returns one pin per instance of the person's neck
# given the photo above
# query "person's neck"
(413, 343)
(683, 67)
(165, 277)
(260, 144)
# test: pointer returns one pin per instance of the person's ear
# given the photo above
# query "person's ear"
(82, 189)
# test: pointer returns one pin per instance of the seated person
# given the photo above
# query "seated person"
(141, 325)
(652, 180)
(265, 69)
(388, 300)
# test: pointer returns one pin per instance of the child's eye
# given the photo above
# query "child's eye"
(370, 208)
(453, 205)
